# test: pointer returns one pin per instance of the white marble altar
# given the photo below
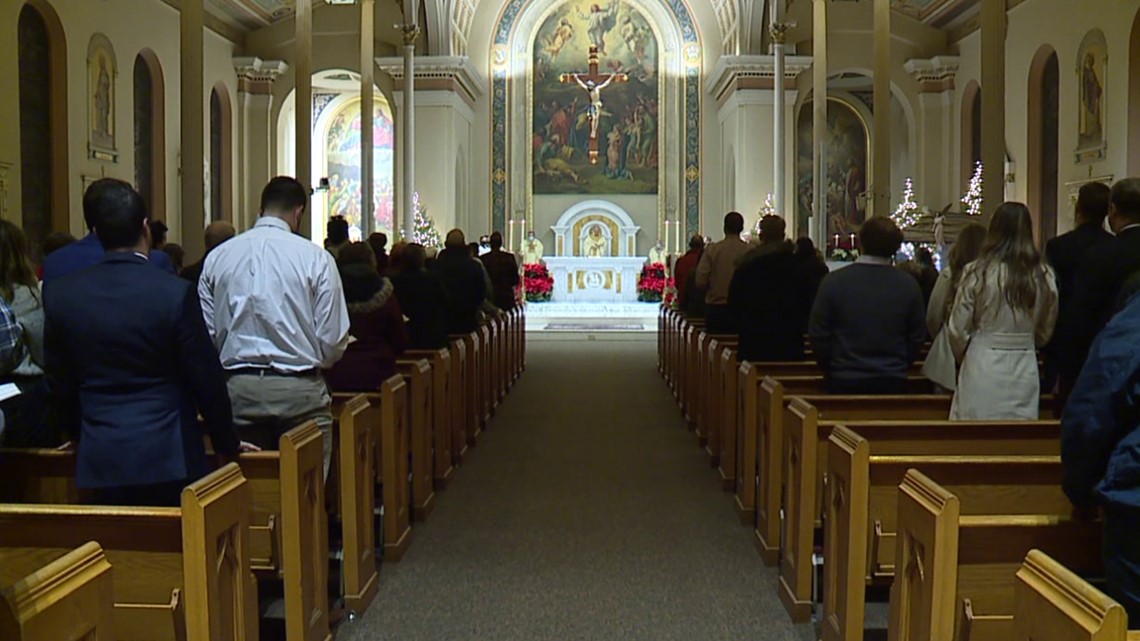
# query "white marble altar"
(595, 228)
(606, 279)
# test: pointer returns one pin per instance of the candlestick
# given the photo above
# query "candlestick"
(836, 243)
(853, 241)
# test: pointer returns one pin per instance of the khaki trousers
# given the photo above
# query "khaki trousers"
(267, 406)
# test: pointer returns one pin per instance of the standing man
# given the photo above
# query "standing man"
(462, 277)
(504, 272)
(217, 233)
(274, 305)
(715, 271)
(131, 366)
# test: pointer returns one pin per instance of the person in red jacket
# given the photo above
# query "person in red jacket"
(685, 267)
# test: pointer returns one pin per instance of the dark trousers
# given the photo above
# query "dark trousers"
(1122, 559)
(154, 495)
(718, 320)
(868, 385)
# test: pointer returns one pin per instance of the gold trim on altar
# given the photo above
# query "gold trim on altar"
(576, 232)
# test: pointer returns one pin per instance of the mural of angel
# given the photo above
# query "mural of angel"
(601, 21)
(563, 34)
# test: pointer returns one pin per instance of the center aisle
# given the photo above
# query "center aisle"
(586, 512)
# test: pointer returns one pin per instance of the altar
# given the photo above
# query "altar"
(605, 279)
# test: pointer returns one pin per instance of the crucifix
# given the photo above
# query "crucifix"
(593, 83)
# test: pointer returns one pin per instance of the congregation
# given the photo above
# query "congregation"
(977, 327)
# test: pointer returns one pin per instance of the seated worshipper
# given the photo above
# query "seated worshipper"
(504, 273)
(1100, 449)
(26, 413)
(714, 272)
(940, 365)
(217, 233)
(487, 309)
(131, 366)
(684, 271)
(378, 241)
(337, 230)
(868, 322)
(89, 251)
(770, 298)
(274, 306)
(422, 299)
(377, 324)
(1004, 309)
(464, 280)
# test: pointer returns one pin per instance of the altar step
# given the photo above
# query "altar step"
(591, 318)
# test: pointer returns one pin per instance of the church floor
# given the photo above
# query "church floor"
(586, 512)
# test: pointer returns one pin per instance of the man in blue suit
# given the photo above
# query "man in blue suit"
(131, 366)
(89, 251)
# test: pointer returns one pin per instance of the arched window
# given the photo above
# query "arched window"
(220, 180)
(1043, 132)
(971, 149)
(1134, 99)
(43, 121)
(150, 133)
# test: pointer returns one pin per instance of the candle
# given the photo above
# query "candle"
(774, 17)
(852, 241)
(836, 243)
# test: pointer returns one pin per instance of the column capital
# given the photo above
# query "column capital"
(779, 31)
(438, 73)
(257, 76)
(934, 75)
(733, 73)
(411, 33)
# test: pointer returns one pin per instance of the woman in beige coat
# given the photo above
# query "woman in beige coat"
(1004, 309)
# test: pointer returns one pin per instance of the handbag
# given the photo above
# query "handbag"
(940, 366)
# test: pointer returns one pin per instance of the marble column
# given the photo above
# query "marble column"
(881, 156)
(367, 82)
(255, 119)
(192, 115)
(779, 146)
(994, 26)
(411, 32)
(303, 72)
(819, 122)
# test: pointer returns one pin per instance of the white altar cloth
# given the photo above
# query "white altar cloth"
(606, 279)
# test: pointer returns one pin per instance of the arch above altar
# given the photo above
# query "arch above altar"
(581, 229)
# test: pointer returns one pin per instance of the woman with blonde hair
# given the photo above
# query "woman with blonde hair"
(1004, 309)
(940, 365)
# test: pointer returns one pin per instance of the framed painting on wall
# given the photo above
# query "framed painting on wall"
(102, 71)
(1092, 76)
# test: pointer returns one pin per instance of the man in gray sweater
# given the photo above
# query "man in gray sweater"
(868, 322)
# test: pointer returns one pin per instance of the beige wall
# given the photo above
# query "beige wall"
(151, 24)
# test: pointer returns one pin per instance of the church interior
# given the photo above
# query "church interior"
(595, 462)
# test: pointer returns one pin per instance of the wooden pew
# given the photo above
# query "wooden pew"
(289, 530)
(38, 476)
(729, 372)
(462, 402)
(957, 572)
(356, 492)
(180, 573)
(486, 367)
(441, 413)
(1051, 603)
(990, 464)
(710, 425)
(418, 381)
(69, 598)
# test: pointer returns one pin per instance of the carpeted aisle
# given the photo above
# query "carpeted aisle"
(586, 512)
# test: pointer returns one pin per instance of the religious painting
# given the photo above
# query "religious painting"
(342, 157)
(101, 73)
(615, 110)
(1092, 67)
(845, 172)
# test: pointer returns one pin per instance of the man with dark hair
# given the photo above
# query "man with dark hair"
(423, 299)
(275, 307)
(690, 298)
(89, 251)
(130, 374)
(868, 322)
(504, 272)
(1101, 273)
(714, 271)
(462, 277)
(770, 298)
(217, 233)
(337, 239)
(1064, 254)
(378, 241)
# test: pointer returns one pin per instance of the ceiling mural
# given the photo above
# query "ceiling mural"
(935, 12)
(252, 13)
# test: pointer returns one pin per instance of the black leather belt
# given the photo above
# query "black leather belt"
(268, 371)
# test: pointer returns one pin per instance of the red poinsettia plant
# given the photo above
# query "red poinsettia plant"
(537, 282)
(652, 283)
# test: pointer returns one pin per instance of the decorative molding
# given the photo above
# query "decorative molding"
(934, 75)
(257, 76)
(974, 23)
(733, 73)
(215, 24)
(438, 73)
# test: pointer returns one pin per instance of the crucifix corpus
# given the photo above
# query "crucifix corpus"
(593, 82)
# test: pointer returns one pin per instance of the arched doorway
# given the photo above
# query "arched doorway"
(971, 128)
(150, 132)
(220, 178)
(1134, 99)
(43, 121)
(1043, 132)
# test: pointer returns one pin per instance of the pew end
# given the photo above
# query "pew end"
(69, 598)
(1052, 603)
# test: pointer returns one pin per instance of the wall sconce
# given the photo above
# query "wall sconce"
(322, 186)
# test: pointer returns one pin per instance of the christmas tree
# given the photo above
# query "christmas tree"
(907, 214)
(973, 198)
(424, 233)
(768, 209)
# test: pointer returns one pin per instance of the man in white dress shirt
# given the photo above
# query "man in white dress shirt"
(274, 305)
